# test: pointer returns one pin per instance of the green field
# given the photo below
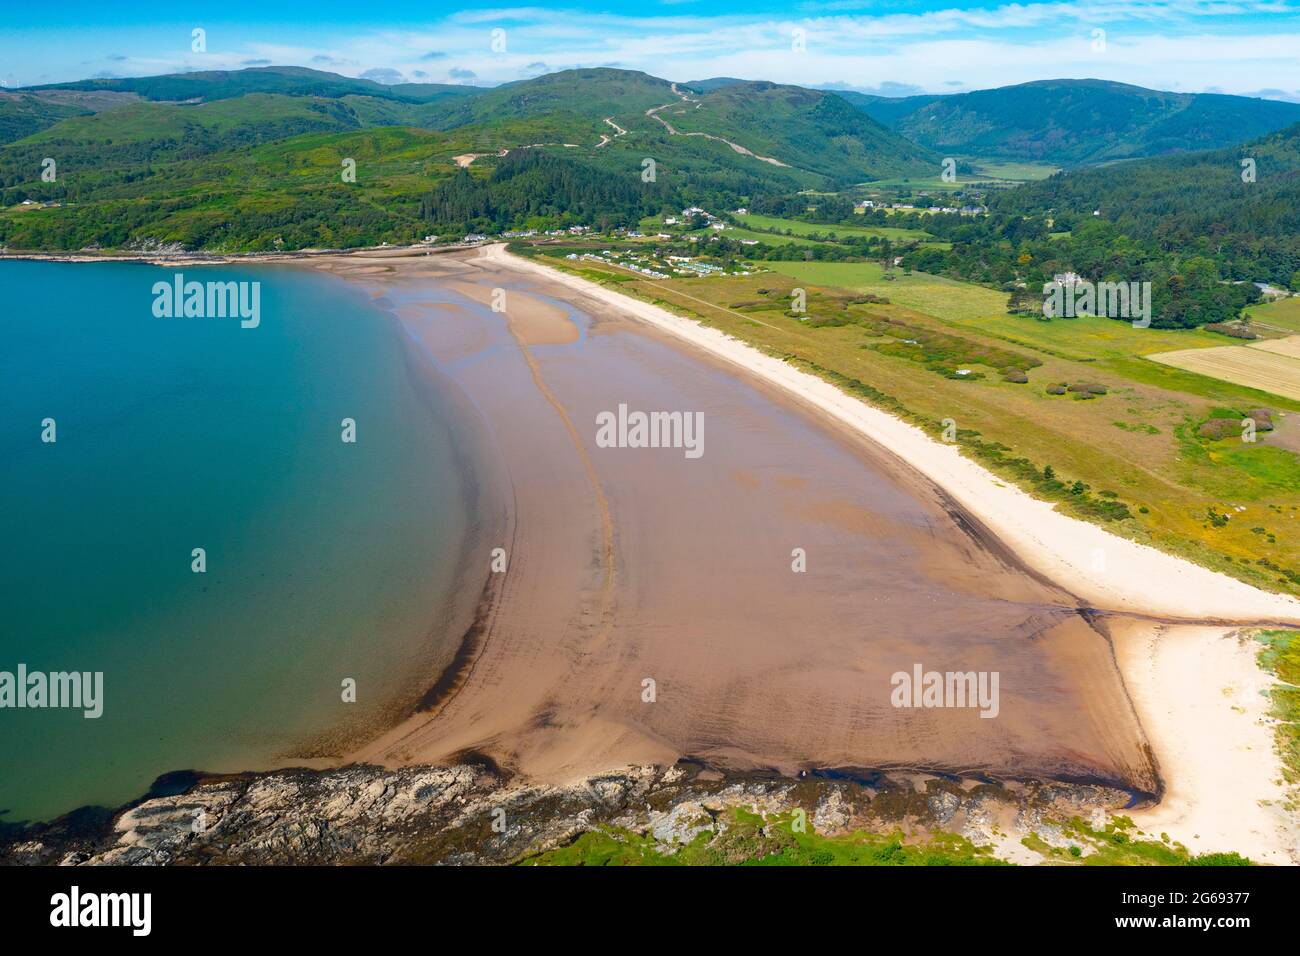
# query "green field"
(1088, 338)
(1023, 172)
(1282, 315)
(800, 228)
(933, 295)
(768, 238)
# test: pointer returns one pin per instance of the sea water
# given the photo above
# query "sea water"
(323, 561)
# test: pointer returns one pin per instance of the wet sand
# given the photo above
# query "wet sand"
(634, 564)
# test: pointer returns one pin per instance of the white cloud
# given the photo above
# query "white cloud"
(1236, 45)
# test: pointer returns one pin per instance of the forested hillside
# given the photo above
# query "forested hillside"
(1077, 122)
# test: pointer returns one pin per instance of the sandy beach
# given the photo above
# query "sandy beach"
(1200, 696)
(635, 565)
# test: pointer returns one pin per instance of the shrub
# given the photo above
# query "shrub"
(1219, 859)
(1262, 417)
(1219, 428)
(1234, 329)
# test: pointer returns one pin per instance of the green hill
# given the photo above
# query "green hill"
(807, 129)
(22, 114)
(1189, 224)
(1076, 122)
(591, 94)
(251, 159)
(1195, 204)
(709, 85)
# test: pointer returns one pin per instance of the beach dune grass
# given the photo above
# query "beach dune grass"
(1281, 655)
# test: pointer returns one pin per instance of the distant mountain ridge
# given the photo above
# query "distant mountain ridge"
(209, 85)
(242, 159)
(814, 134)
(255, 159)
(1076, 122)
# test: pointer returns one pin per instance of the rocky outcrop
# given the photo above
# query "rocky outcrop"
(473, 814)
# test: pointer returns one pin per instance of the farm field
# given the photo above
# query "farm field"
(987, 171)
(771, 239)
(1254, 365)
(1138, 443)
(809, 228)
(1008, 170)
(1290, 345)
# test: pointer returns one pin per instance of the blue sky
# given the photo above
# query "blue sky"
(895, 48)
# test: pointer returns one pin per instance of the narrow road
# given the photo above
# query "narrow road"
(606, 138)
(673, 131)
(465, 159)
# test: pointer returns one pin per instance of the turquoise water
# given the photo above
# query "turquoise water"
(325, 560)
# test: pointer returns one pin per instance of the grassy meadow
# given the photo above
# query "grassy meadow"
(799, 228)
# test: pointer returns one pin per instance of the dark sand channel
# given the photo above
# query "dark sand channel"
(633, 563)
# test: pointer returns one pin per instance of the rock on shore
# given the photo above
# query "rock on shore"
(472, 813)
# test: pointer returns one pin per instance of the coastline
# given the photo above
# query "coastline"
(1132, 578)
(327, 565)
(1187, 609)
(528, 368)
(465, 621)
(175, 258)
(1182, 613)
(1196, 726)
(1202, 697)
